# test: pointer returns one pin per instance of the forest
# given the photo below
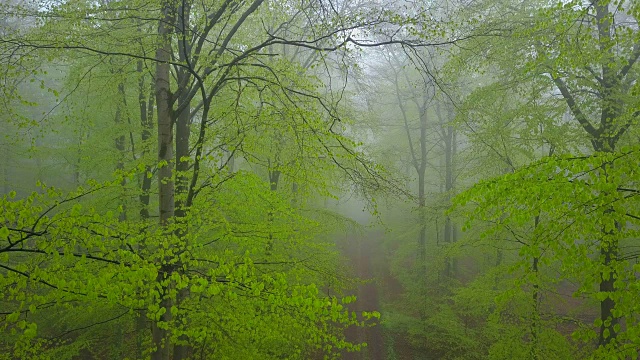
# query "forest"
(319, 179)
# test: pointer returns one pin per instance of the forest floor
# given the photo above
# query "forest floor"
(366, 256)
(363, 252)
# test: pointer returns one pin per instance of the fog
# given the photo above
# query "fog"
(319, 180)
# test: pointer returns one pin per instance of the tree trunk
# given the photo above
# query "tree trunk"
(183, 129)
(448, 186)
(166, 194)
(448, 134)
(422, 169)
(609, 247)
(165, 135)
(535, 320)
(120, 147)
(146, 120)
(609, 253)
(76, 165)
(274, 178)
(183, 133)
(604, 137)
(422, 237)
(606, 141)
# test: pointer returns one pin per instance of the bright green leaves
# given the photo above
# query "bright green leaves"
(78, 254)
(560, 209)
(30, 329)
(13, 317)
(58, 253)
(157, 315)
(371, 315)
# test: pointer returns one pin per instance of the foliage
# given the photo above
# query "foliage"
(233, 270)
(60, 254)
(574, 198)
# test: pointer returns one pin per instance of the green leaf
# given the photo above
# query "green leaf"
(13, 317)
(4, 233)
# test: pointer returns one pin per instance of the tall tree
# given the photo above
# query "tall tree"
(593, 82)
(195, 274)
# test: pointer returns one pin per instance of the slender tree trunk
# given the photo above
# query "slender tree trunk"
(120, 147)
(231, 163)
(609, 253)
(422, 237)
(448, 136)
(146, 120)
(535, 320)
(448, 186)
(183, 129)
(274, 178)
(76, 165)
(609, 247)
(422, 169)
(166, 189)
(183, 134)
(294, 195)
(606, 142)
(454, 152)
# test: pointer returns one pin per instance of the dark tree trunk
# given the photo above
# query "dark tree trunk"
(535, 319)
(120, 147)
(183, 133)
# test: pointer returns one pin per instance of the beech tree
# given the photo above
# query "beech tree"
(212, 278)
(592, 81)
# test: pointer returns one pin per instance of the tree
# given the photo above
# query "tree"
(195, 275)
(592, 84)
